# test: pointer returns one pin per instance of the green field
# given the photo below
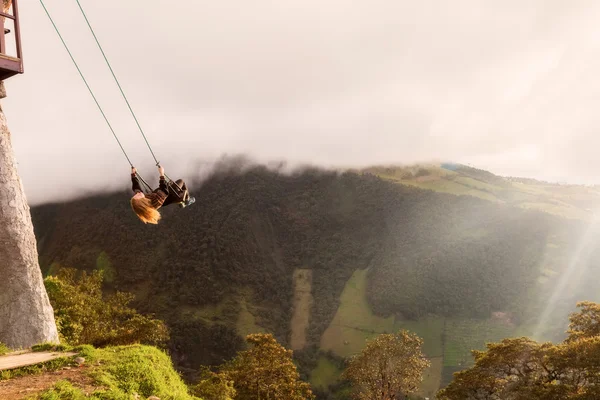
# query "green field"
(430, 329)
(477, 184)
(104, 264)
(562, 200)
(432, 378)
(447, 341)
(324, 374)
(562, 210)
(246, 322)
(208, 313)
(464, 335)
(354, 309)
(354, 322)
(235, 311)
(452, 187)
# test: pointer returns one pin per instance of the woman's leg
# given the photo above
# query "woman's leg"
(181, 184)
(180, 193)
(187, 199)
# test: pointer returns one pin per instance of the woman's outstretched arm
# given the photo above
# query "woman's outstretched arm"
(162, 182)
(135, 182)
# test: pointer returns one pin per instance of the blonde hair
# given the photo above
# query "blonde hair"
(142, 207)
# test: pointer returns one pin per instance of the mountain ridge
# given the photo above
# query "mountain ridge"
(226, 265)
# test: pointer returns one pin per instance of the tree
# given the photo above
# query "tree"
(389, 366)
(266, 371)
(85, 316)
(586, 323)
(214, 386)
(505, 370)
(26, 316)
(520, 368)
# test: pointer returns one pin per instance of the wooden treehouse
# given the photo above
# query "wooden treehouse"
(10, 65)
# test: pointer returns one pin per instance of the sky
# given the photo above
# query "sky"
(510, 86)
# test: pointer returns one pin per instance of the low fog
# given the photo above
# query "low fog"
(507, 86)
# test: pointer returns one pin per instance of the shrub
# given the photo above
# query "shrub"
(85, 316)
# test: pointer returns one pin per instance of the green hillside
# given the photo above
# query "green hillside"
(116, 372)
(569, 201)
(466, 261)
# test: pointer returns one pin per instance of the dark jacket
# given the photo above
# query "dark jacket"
(159, 196)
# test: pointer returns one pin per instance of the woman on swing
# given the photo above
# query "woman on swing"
(146, 206)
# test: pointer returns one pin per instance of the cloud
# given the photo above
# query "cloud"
(332, 83)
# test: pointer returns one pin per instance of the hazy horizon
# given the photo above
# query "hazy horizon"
(506, 87)
(234, 163)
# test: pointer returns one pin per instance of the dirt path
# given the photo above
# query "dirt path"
(24, 359)
(22, 387)
(302, 303)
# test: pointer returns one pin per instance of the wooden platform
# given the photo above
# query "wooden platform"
(17, 360)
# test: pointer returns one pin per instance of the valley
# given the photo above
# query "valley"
(326, 261)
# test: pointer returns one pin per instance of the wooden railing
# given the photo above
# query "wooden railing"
(10, 65)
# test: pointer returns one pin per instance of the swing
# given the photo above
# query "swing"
(171, 184)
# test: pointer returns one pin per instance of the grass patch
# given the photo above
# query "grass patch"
(516, 196)
(397, 173)
(477, 184)
(325, 373)
(565, 201)
(103, 264)
(125, 370)
(4, 349)
(457, 188)
(354, 310)
(430, 329)
(464, 335)
(209, 313)
(350, 341)
(354, 322)
(50, 347)
(246, 321)
(144, 370)
(564, 211)
(234, 311)
(432, 378)
(451, 187)
(448, 375)
(63, 390)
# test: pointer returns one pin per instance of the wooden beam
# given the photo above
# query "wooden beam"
(12, 361)
(5, 15)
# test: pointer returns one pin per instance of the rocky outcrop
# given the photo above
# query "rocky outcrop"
(26, 316)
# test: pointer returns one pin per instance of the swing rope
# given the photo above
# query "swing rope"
(121, 90)
(86, 84)
(92, 94)
(117, 82)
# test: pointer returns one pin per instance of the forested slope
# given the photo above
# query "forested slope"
(225, 265)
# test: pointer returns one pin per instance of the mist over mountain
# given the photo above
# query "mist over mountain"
(326, 259)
